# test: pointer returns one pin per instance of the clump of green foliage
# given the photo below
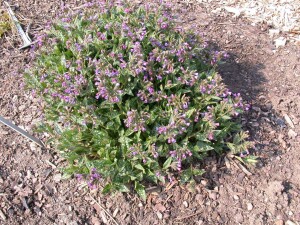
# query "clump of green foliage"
(131, 99)
(5, 24)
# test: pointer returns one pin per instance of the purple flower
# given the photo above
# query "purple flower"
(171, 140)
(127, 10)
(79, 177)
(107, 26)
(164, 25)
(78, 47)
(162, 130)
(210, 136)
(151, 90)
(91, 185)
(173, 153)
(179, 165)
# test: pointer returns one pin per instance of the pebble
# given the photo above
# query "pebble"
(32, 146)
(185, 204)
(289, 121)
(57, 177)
(115, 212)
(159, 215)
(289, 222)
(204, 182)
(292, 134)
(249, 206)
(236, 197)
(280, 42)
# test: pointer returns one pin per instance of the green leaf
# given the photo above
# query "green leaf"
(140, 167)
(203, 147)
(231, 146)
(186, 176)
(190, 112)
(201, 137)
(197, 172)
(167, 163)
(225, 117)
(140, 189)
(122, 188)
(107, 188)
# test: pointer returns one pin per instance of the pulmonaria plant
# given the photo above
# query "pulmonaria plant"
(130, 97)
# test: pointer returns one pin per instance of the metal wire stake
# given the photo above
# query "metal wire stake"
(21, 131)
(26, 40)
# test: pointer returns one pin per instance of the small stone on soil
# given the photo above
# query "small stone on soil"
(115, 212)
(280, 42)
(57, 177)
(159, 215)
(289, 121)
(204, 182)
(185, 204)
(249, 206)
(33, 146)
(292, 134)
(290, 223)
(236, 197)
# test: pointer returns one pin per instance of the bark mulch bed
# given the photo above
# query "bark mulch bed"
(33, 191)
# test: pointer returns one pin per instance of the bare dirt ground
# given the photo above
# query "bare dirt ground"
(32, 190)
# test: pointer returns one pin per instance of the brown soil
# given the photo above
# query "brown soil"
(32, 190)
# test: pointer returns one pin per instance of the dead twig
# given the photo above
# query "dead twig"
(239, 165)
(170, 185)
(2, 215)
(188, 216)
(104, 210)
(51, 164)
(3, 194)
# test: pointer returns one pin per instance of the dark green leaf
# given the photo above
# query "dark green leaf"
(167, 163)
(140, 189)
